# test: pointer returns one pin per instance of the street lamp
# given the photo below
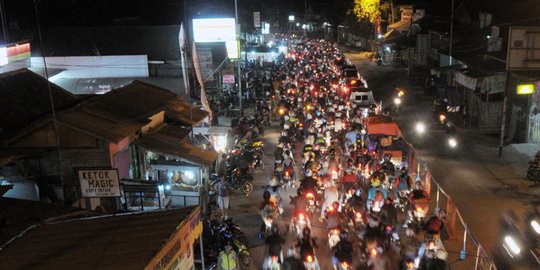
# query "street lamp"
(291, 18)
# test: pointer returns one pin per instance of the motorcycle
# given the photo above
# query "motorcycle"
(242, 181)
(271, 263)
(333, 238)
(312, 203)
(300, 222)
(344, 265)
(287, 180)
(229, 231)
(311, 263)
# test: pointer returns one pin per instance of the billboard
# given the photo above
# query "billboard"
(14, 53)
(96, 183)
(523, 48)
(217, 30)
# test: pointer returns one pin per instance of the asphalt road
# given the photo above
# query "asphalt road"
(472, 174)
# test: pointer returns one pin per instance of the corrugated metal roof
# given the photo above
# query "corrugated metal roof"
(184, 112)
(112, 242)
(101, 127)
(24, 98)
(137, 100)
(173, 141)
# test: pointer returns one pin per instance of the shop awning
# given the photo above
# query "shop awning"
(494, 84)
(466, 80)
(173, 141)
(145, 240)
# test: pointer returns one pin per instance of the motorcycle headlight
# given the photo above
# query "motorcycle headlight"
(535, 226)
(512, 245)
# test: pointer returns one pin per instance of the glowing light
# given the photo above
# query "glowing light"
(397, 101)
(512, 244)
(535, 226)
(452, 142)
(420, 127)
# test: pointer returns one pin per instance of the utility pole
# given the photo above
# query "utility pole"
(451, 33)
(239, 53)
(4, 23)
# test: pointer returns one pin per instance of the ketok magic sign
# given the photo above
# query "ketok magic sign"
(99, 183)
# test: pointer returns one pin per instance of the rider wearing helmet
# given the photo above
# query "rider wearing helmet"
(343, 250)
(306, 244)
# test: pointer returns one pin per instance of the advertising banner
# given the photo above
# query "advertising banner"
(97, 183)
(178, 252)
(256, 19)
(217, 30)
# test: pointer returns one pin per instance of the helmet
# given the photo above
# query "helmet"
(441, 254)
(306, 232)
(266, 195)
(273, 182)
(358, 192)
(309, 173)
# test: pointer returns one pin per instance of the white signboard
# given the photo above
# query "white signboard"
(217, 30)
(257, 19)
(99, 183)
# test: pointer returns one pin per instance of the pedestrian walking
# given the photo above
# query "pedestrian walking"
(224, 188)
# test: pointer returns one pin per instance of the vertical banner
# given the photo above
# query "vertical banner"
(256, 19)
(197, 66)
(183, 58)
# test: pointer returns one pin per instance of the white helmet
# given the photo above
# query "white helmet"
(308, 173)
(273, 181)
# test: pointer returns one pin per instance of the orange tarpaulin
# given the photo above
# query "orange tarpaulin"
(383, 128)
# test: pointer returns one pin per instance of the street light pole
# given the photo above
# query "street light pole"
(239, 52)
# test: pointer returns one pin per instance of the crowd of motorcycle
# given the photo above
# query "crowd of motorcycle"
(371, 207)
(376, 215)
(366, 203)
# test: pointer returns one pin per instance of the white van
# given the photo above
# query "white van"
(363, 99)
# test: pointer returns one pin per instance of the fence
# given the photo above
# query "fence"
(442, 198)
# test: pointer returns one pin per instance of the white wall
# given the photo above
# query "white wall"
(117, 66)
